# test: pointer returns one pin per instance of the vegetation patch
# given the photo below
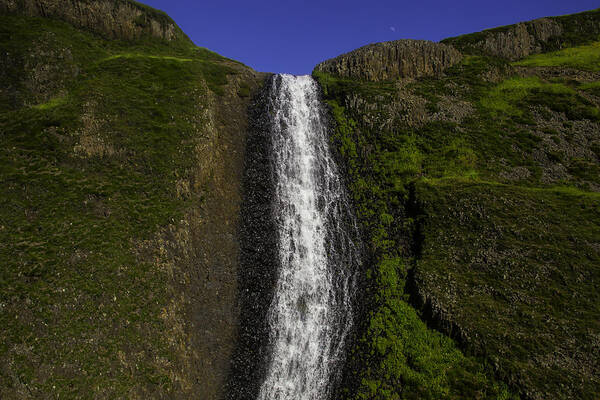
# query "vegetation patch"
(576, 30)
(507, 263)
(132, 55)
(505, 98)
(591, 87)
(55, 102)
(397, 356)
(585, 58)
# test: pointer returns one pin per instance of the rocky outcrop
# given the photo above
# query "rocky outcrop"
(387, 61)
(120, 19)
(512, 42)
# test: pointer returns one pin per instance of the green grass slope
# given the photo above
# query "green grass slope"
(516, 271)
(478, 194)
(100, 147)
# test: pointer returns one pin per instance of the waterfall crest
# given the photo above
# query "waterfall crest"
(310, 314)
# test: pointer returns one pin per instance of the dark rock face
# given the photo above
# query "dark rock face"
(393, 60)
(120, 19)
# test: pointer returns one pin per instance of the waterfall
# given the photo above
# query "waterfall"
(310, 314)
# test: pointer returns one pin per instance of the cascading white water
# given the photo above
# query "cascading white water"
(310, 314)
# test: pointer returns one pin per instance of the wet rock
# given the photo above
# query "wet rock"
(258, 259)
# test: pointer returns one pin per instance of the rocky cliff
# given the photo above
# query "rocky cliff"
(121, 19)
(392, 60)
(401, 59)
(516, 41)
(533, 37)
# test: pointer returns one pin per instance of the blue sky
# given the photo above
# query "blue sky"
(293, 36)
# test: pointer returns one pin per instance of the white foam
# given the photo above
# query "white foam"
(310, 314)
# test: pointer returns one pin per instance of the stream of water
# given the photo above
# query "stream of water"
(311, 311)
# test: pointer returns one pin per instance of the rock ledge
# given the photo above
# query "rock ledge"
(398, 59)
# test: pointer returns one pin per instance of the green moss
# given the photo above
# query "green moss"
(584, 169)
(591, 87)
(244, 90)
(57, 101)
(406, 359)
(586, 58)
(514, 98)
(505, 98)
(133, 55)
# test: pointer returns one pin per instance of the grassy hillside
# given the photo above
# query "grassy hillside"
(110, 161)
(478, 193)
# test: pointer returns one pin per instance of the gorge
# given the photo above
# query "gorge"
(414, 220)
